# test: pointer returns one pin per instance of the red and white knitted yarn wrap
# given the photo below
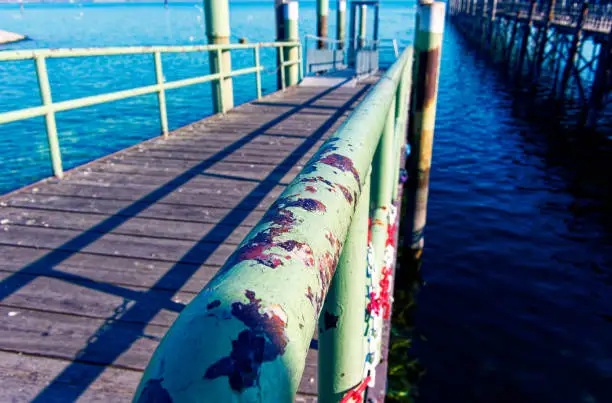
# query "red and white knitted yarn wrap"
(379, 296)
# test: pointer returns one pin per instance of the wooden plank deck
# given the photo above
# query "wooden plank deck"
(97, 266)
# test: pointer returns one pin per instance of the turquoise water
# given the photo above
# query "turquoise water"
(92, 132)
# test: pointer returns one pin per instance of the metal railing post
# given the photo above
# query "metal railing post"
(401, 120)
(427, 48)
(301, 59)
(218, 33)
(341, 23)
(47, 100)
(322, 12)
(221, 101)
(281, 67)
(258, 74)
(383, 176)
(363, 17)
(341, 323)
(290, 13)
(161, 94)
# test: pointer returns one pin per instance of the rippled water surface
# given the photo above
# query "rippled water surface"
(517, 270)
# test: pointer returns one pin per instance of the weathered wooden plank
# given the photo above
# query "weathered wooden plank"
(69, 336)
(137, 226)
(23, 377)
(165, 167)
(111, 244)
(114, 270)
(183, 196)
(124, 304)
(120, 211)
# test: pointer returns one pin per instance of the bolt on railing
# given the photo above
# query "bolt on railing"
(48, 109)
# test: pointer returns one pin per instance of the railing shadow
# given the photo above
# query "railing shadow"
(114, 337)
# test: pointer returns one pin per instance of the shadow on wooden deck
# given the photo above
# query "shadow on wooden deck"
(137, 318)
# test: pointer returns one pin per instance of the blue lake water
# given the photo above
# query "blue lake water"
(95, 131)
(518, 260)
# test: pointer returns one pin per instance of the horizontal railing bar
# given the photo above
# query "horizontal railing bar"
(292, 62)
(241, 72)
(13, 55)
(28, 113)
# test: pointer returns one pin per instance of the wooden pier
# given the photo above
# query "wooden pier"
(96, 266)
(561, 51)
(249, 256)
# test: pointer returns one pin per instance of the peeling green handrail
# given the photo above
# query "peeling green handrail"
(245, 336)
(48, 109)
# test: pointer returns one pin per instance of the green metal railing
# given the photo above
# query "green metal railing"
(246, 335)
(48, 109)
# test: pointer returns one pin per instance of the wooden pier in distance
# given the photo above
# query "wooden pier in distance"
(97, 266)
(559, 51)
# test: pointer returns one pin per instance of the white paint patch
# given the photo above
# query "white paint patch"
(291, 10)
(13, 313)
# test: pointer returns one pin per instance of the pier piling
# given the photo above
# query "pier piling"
(290, 14)
(322, 12)
(218, 33)
(427, 48)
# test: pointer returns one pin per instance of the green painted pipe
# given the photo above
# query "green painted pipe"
(363, 19)
(290, 14)
(245, 336)
(401, 122)
(427, 48)
(341, 323)
(322, 13)
(45, 95)
(218, 33)
(383, 175)
(341, 24)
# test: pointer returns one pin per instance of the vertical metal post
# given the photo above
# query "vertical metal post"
(301, 56)
(280, 34)
(222, 105)
(525, 43)
(352, 35)
(218, 33)
(341, 23)
(383, 165)
(363, 25)
(47, 100)
(161, 94)
(493, 10)
(427, 48)
(508, 50)
(341, 322)
(543, 41)
(258, 73)
(282, 68)
(402, 106)
(600, 85)
(322, 12)
(571, 57)
(290, 14)
(375, 33)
